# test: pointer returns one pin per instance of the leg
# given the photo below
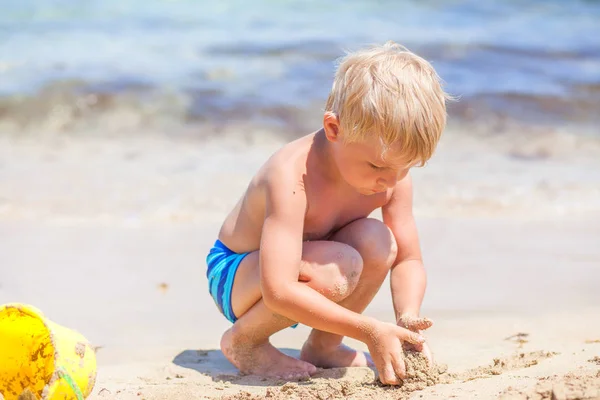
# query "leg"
(331, 268)
(376, 245)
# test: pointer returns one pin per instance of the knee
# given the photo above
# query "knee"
(349, 268)
(376, 244)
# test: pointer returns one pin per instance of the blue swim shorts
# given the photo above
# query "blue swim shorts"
(222, 266)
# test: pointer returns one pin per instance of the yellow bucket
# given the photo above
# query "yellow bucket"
(40, 359)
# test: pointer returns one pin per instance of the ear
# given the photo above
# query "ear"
(331, 126)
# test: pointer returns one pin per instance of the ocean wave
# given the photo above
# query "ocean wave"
(158, 62)
(71, 106)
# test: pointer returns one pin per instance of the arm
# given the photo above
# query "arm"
(408, 278)
(280, 257)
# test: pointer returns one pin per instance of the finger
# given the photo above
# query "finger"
(412, 347)
(422, 323)
(427, 352)
(415, 323)
(387, 376)
(410, 336)
(399, 367)
(416, 347)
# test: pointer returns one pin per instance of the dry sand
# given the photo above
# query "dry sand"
(108, 236)
(569, 387)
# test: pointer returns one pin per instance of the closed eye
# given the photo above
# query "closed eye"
(376, 167)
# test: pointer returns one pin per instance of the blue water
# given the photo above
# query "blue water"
(233, 54)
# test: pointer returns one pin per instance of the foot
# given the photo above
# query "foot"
(334, 356)
(263, 359)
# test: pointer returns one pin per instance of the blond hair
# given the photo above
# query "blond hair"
(391, 93)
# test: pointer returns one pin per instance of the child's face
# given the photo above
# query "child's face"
(363, 167)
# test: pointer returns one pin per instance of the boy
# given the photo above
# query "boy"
(298, 246)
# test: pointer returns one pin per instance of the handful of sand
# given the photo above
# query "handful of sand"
(419, 374)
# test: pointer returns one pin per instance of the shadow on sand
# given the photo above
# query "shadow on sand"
(214, 364)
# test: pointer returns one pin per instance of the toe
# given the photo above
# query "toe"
(311, 369)
(297, 376)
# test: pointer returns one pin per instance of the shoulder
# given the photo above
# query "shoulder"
(281, 178)
(402, 192)
(287, 166)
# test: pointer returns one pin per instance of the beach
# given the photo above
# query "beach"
(108, 235)
(128, 131)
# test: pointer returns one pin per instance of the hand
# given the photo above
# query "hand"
(385, 346)
(417, 324)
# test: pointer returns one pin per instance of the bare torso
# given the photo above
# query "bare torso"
(330, 205)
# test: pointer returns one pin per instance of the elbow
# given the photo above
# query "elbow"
(276, 300)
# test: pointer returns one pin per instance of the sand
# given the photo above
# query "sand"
(500, 365)
(330, 385)
(107, 235)
(569, 387)
(514, 376)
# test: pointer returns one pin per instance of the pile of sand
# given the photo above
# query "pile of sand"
(329, 385)
(343, 384)
(568, 387)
